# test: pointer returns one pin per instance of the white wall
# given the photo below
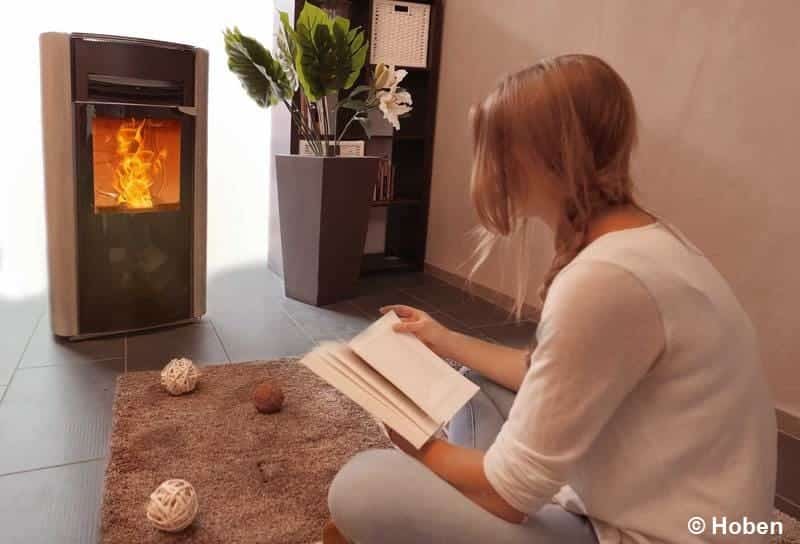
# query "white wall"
(717, 92)
(238, 147)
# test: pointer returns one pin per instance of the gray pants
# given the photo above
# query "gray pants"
(386, 497)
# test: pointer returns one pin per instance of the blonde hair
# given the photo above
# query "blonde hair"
(571, 118)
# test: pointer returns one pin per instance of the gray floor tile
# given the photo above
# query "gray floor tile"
(226, 290)
(246, 308)
(516, 335)
(18, 319)
(371, 303)
(46, 349)
(377, 283)
(259, 329)
(336, 321)
(466, 308)
(436, 293)
(56, 505)
(450, 322)
(57, 414)
(151, 351)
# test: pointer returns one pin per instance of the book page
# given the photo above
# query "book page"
(346, 360)
(436, 387)
(393, 415)
(320, 360)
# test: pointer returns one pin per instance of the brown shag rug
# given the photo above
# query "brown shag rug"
(791, 529)
(259, 478)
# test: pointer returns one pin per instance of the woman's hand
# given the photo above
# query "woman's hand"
(420, 324)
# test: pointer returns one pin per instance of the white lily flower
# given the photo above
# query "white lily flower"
(391, 102)
(382, 76)
(386, 77)
(399, 75)
(403, 97)
(392, 107)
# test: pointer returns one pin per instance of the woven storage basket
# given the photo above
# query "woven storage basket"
(400, 33)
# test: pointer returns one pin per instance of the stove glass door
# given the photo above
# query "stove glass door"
(135, 213)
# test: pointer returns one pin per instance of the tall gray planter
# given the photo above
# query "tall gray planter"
(323, 204)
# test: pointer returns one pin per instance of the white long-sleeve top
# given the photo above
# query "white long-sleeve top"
(645, 403)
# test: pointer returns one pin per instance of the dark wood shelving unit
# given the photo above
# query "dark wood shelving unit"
(417, 68)
(409, 137)
(396, 202)
(410, 149)
(380, 262)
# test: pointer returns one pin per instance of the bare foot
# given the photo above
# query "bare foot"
(331, 535)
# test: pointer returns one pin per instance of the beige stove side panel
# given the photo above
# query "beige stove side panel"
(200, 183)
(59, 176)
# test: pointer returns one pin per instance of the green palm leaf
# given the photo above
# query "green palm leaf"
(287, 49)
(329, 55)
(262, 77)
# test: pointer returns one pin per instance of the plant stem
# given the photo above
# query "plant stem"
(302, 127)
(350, 121)
(297, 118)
(346, 126)
(325, 125)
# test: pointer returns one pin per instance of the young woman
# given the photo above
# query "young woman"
(643, 404)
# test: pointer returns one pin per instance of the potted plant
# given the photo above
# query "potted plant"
(323, 199)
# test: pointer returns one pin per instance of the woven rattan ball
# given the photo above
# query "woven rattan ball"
(179, 376)
(173, 506)
(268, 398)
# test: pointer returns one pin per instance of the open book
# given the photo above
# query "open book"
(394, 377)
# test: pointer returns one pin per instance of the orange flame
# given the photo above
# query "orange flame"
(137, 166)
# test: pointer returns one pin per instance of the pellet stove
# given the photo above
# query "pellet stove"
(124, 127)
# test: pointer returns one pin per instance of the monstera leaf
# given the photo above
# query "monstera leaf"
(329, 54)
(287, 49)
(262, 76)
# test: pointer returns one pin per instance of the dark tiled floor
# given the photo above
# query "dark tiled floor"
(58, 414)
(56, 397)
(469, 310)
(18, 320)
(199, 342)
(56, 505)
(371, 303)
(518, 335)
(44, 350)
(335, 322)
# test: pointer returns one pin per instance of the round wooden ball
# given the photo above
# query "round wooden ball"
(173, 506)
(179, 376)
(268, 398)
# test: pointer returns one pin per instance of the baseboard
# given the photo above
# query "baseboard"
(787, 507)
(788, 423)
(787, 489)
(488, 294)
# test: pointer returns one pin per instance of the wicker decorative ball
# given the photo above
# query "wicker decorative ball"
(179, 376)
(268, 398)
(173, 506)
